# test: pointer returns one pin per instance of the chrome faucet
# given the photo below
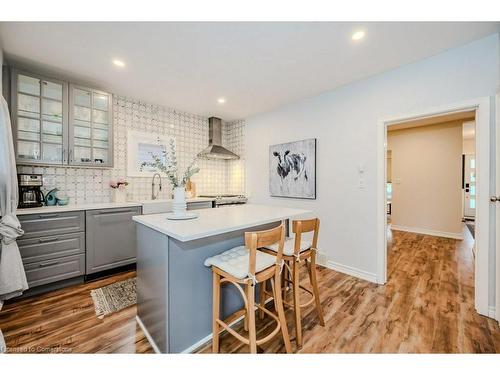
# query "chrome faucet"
(153, 196)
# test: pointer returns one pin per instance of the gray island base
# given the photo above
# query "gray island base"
(174, 288)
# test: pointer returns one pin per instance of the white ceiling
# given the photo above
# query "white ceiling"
(255, 66)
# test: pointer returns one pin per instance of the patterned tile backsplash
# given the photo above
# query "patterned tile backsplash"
(91, 185)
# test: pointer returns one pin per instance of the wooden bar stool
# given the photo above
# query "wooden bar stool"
(247, 266)
(295, 251)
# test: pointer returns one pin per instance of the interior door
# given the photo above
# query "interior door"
(470, 186)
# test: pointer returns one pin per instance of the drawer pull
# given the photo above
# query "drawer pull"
(48, 216)
(116, 212)
(46, 264)
(48, 239)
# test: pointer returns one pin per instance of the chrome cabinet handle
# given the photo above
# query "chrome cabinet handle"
(48, 216)
(116, 212)
(494, 198)
(48, 239)
(46, 264)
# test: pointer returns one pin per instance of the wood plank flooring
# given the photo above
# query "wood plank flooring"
(64, 321)
(427, 306)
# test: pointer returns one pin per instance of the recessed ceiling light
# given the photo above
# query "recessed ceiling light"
(358, 35)
(119, 63)
(221, 100)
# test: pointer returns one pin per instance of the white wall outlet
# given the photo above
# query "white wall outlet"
(322, 259)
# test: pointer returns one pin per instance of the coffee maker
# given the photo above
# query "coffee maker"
(30, 193)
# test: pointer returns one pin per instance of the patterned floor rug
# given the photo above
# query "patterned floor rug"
(114, 297)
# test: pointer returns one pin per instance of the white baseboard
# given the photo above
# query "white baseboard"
(197, 344)
(492, 312)
(322, 259)
(148, 336)
(429, 232)
(352, 271)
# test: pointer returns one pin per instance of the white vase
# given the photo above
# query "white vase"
(179, 204)
(119, 196)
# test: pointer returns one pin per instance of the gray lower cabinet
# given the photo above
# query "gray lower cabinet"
(49, 271)
(67, 245)
(52, 247)
(110, 238)
(41, 225)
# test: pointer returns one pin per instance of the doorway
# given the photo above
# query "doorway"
(481, 109)
(469, 173)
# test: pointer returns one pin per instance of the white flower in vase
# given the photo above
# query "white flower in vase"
(169, 167)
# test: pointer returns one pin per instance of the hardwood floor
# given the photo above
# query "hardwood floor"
(64, 321)
(427, 306)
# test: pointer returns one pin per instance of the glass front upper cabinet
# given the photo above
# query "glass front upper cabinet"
(90, 119)
(39, 118)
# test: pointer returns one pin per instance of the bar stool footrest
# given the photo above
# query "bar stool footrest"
(275, 331)
(233, 332)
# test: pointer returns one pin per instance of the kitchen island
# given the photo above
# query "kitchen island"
(174, 288)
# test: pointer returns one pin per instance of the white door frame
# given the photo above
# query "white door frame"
(482, 108)
(497, 209)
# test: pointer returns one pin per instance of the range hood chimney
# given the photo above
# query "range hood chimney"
(215, 149)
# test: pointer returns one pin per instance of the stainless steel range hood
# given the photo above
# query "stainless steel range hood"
(215, 149)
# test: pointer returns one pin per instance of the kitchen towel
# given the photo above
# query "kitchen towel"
(12, 276)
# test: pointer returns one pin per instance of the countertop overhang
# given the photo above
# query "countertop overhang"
(220, 220)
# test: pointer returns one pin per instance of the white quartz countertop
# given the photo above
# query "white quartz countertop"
(219, 220)
(75, 207)
(96, 206)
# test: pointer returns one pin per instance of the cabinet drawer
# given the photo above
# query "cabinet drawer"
(198, 205)
(49, 271)
(51, 247)
(41, 225)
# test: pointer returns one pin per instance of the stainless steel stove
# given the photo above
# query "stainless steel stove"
(226, 199)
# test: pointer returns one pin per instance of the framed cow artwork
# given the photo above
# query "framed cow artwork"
(292, 169)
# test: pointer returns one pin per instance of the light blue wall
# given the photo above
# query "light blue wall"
(345, 123)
